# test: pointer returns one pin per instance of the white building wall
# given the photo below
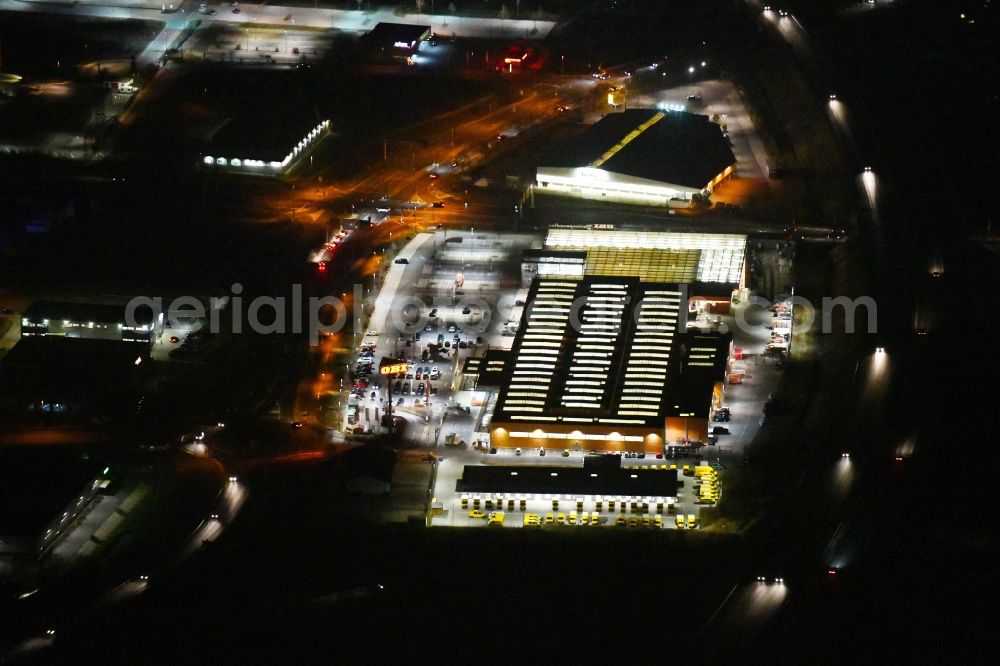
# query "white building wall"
(591, 183)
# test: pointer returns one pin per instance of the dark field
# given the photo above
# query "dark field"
(38, 46)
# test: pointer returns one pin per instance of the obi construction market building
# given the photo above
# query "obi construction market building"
(641, 156)
(606, 364)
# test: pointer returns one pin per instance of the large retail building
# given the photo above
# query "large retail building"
(641, 156)
(605, 363)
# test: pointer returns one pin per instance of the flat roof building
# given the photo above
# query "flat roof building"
(606, 364)
(93, 321)
(488, 370)
(653, 256)
(548, 479)
(552, 262)
(642, 156)
(396, 41)
(248, 145)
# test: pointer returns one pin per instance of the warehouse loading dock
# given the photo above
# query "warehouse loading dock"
(551, 480)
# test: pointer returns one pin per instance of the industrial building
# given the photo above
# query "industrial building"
(710, 266)
(605, 364)
(396, 41)
(641, 156)
(93, 321)
(247, 145)
(599, 476)
(651, 255)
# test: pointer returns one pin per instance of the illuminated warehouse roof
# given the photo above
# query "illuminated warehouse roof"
(640, 156)
(612, 351)
(656, 256)
(679, 148)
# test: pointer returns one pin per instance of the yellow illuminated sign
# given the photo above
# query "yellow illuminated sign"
(392, 368)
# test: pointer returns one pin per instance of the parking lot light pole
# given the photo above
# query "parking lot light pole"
(388, 409)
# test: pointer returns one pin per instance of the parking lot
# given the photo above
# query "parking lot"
(447, 296)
